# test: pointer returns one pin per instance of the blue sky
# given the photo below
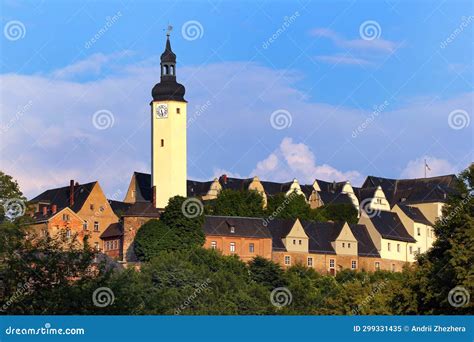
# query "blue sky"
(370, 88)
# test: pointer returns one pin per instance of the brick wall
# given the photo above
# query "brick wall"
(131, 225)
(262, 247)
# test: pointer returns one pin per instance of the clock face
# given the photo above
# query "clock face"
(162, 111)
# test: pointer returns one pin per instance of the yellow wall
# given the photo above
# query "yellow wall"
(395, 253)
(432, 211)
(169, 161)
(292, 240)
(346, 243)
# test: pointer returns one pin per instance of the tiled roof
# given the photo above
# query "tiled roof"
(389, 225)
(113, 230)
(249, 227)
(418, 190)
(415, 214)
(321, 234)
(279, 229)
(365, 245)
(144, 185)
(60, 196)
(119, 207)
(334, 198)
(143, 209)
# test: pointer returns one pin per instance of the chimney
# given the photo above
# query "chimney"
(153, 195)
(71, 193)
(224, 179)
(54, 209)
(45, 210)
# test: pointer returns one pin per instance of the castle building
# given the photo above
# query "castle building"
(396, 216)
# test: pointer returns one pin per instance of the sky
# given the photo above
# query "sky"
(333, 90)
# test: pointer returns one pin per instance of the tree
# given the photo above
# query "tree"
(185, 218)
(11, 196)
(445, 272)
(247, 203)
(154, 237)
(340, 212)
(266, 272)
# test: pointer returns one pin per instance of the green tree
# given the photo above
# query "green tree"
(344, 212)
(154, 237)
(185, 217)
(237, 203)
(448, 264)
(266, 272)
(10, 191)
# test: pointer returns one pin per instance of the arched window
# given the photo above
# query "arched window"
(172, 70)
(167, 70)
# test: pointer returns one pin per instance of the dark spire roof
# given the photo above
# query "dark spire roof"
(168, 89)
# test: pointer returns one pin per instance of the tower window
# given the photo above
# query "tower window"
(172, 70)
(162, 142)
(178, 110)
(167, 70)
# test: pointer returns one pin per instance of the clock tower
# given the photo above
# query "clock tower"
(168, 133)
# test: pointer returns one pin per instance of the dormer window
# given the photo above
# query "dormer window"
(232, 229)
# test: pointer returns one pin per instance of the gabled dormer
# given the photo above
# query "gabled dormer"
(345, 243)
(296, 240)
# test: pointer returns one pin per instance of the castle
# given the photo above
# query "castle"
(396, 216)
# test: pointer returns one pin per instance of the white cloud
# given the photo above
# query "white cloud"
(438, 167)
(343, 59)
(379, 44)
(296, 160)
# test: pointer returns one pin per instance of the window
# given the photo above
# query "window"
(232, 247)
(299, 242)
(332, 262)
(418, 231)
(116, 244)
(232, 229)
(178, 110)
(96, 226)
(353, 264)
(251, 248)
(419, 250)
(343, 244)
(65, 217)
(411, 249)
(348, 245)
(91, 206)
(85, 225)
(388, 246)
(398, 247)
(96, 245)
(213, 244)
(294, 242)
(162, 142)
(393, 267)
(310, 262)
(287, 260)
(377, 266)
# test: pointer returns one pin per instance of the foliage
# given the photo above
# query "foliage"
(448, 264)
(9, 189)
(339, 212)
(266, 272)
(245, 203)
(154, 237)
